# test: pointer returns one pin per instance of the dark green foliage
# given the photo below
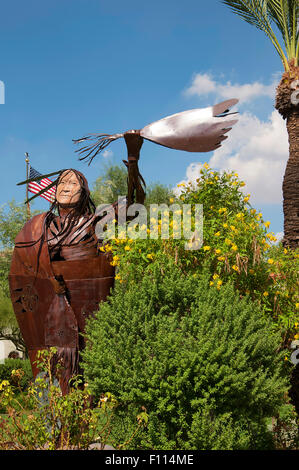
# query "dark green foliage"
(113, 184)
(15, 364)
(203, 363)
(110, 186)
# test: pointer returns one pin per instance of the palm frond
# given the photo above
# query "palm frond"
(263, 13)
(284, 14)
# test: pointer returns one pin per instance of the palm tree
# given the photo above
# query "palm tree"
(284, 16)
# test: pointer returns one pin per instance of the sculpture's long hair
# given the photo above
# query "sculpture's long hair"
(85, 206)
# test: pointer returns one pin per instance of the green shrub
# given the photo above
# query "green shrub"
(237, 246)
(203, 362)
(10, 365)
(41, 418)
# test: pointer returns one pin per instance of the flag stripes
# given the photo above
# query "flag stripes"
(36, 186)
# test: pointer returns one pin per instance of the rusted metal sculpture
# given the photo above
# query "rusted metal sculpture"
(58, 275)
(195, 130)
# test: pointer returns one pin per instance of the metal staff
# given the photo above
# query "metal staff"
(27, 177)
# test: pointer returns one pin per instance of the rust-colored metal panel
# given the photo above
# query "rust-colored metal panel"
(58, 277)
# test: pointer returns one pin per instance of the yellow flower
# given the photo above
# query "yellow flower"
(240, 215)
(217, 234)
(235, 268)
(236, 175)
(221, 258)
(117, 277)
(171, 200)
(211, 283)
(4, 383)
(246, 199)
(116, 258)
(215, 276)
(234, 247)
(206, 248)
(219, 283)
(286, 358)
(227, 241)
(217, 251)
(267, 224)
(127, 248)
(150, 256)
(222, 209)
(265, 294)
(206, 166)
(225, 225)
(296, 336)
(242, 183)
(297, 305)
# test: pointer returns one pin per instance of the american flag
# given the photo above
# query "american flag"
(36, 186)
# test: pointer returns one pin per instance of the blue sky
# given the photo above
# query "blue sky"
(72, 67)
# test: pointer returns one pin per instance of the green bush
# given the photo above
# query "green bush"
(202, 361)
(10, 365)
(41, 418)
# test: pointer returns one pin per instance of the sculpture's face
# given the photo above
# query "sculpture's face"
(68, 188)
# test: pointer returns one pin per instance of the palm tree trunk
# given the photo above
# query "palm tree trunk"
(290, 185)
(290, 111)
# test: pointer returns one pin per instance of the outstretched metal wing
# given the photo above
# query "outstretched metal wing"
(196, 130)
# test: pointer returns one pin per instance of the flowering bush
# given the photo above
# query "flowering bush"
(151, 346)
(237, 247)
(44, 419)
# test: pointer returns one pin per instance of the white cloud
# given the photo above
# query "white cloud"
(107, 153)
(257, 150)
(205, 84)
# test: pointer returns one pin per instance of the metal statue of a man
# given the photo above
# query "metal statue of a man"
(58, 275)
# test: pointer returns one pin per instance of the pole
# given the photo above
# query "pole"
(27, 177)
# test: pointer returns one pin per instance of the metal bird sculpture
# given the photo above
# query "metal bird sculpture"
(195, 130)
